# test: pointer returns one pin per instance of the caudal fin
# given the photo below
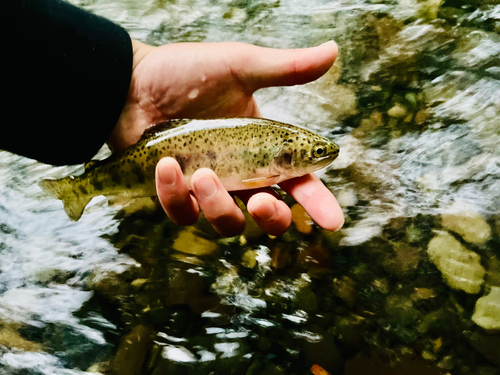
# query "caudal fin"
(63, 189)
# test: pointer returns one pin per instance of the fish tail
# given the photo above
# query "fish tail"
(63, 189)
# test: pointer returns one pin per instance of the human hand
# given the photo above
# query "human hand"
(207, 80)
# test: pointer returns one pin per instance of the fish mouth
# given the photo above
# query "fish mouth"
(326, 160)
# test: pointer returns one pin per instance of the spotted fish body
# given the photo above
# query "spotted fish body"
(245, 153)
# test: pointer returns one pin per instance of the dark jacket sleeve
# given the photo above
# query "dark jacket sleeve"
(66, 78)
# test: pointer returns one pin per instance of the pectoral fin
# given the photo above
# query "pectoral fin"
(253, 183)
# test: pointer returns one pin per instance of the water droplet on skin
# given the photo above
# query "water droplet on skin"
(203, 78)
(193, 94)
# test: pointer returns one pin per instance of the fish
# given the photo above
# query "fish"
(245, 153)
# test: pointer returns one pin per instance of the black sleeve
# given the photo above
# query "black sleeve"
(66, 78)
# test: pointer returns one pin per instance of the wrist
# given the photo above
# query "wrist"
(139, 50)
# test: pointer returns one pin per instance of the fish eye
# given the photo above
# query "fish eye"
(318, 151)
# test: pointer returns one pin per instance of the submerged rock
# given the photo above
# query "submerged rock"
(301, 219)
(400, 310)
(10, 338)
(249, 259)
(190, 243)
(362, 365)
(132, 351)
(488, 346)
(323, 353)
(461, 268)
(422, 116)
(318, 370)
(487, 310)
(397, 111)
(345, 289)
(468, 224)
(403, 261)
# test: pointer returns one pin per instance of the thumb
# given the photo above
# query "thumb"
(259, 67)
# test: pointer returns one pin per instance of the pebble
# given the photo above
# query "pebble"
(188, 242)
(345, 289)
(249, 259)
(138, 283)
(280, 257)
(469, 224)
(318, 370)
(487, 310)
(423, 293)
(10, 338)
(397, 111)
(421, 116)
(302, 220)
(403, 261)
(461, 268)
(252, 230)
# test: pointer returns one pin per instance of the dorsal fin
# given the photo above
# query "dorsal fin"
(162, 126)
(92, 164)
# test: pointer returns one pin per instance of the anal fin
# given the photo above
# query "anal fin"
(254, 183)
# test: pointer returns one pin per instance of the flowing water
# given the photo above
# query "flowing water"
(410, 285)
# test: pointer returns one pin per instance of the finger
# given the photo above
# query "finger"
(268, 210)
(253, 109)
(219, 207)
(317, 200)
(259, 67)
(178, 203)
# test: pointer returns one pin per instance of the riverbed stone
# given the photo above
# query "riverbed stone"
(184, 287)
(249, 259)
(397, 111)
(403, 261)
(345, 288)
(281, 256)
(318, 370)
(10, 338)
(323, 353)
(469, 224)
(492, 265)
(367, 126)
(461, 268)
(408, 365)
(301, 219)
(400, 310)
(188, 241)
(422, 116)
(315, 257)
(132, 351)
(488, 345)
(109, 284)
(487, 310)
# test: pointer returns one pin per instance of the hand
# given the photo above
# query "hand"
(207, 80)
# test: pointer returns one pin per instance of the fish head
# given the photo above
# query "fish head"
(305, 153)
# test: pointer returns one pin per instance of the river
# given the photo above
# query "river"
(410, 285)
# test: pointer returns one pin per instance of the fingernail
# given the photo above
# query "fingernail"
(340, 226)
(206, 187)
(330, 216)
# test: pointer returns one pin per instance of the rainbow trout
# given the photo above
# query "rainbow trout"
(245, 153)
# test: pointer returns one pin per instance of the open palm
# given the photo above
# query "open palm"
(207, 80)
